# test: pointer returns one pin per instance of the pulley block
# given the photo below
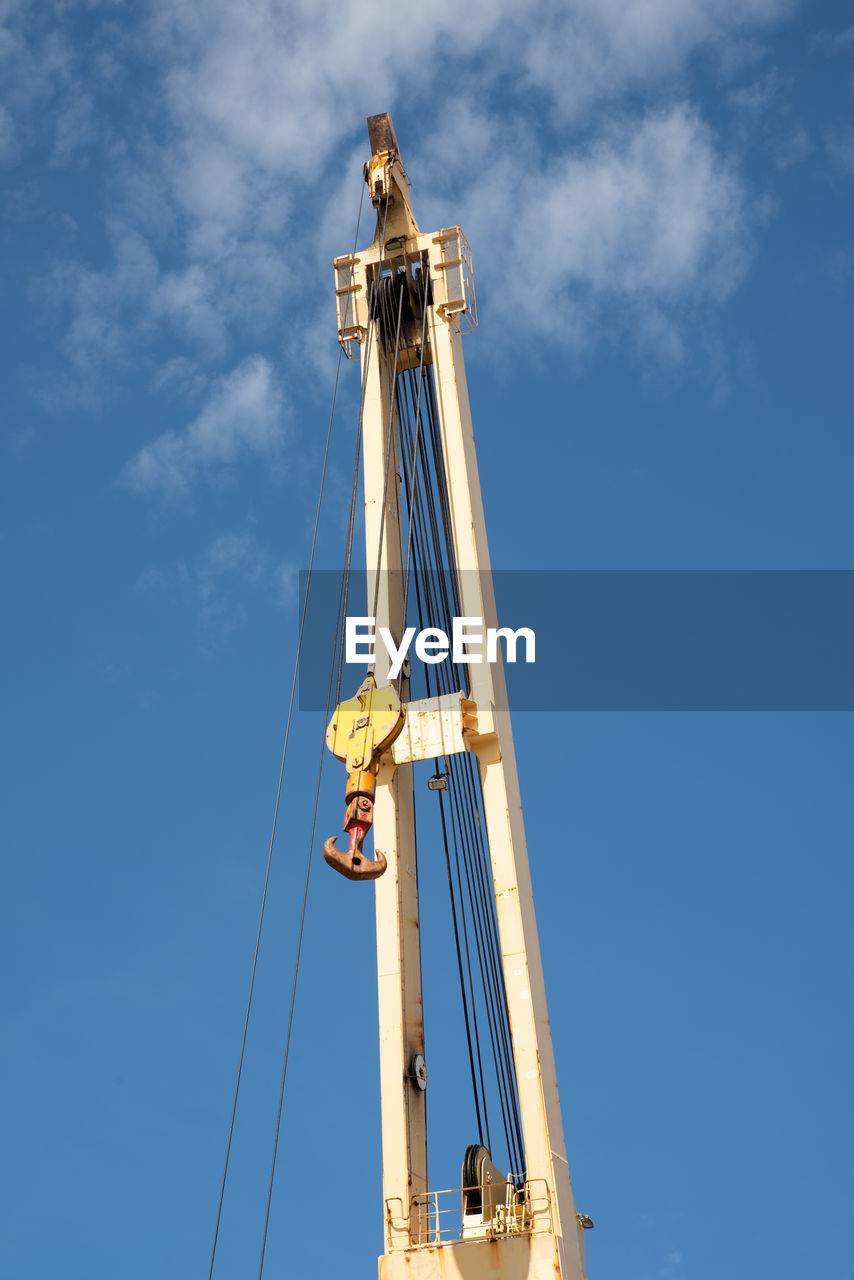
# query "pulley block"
(361, 729)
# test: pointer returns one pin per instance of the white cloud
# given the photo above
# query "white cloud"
(44, 84)
(840, 149)
(74, 125)
(117, 310)
(239, 180)
(233, 570)
(284, 581)
(793, 148)
(8, 143)
(251, 85)
(593, 51)
(238, 554)
(109, 315)
(672, 1264)
(756, 97)
(241, 416)
(219, 618)
(181, 375)
(262, 99)
(650, 211)
(648, 216)
(189, 301)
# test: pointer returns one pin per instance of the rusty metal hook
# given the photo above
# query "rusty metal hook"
(361, 729)
(355, 864)
(358, 820)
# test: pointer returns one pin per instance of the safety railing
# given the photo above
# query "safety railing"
(456, 266)
(350, 332)
(439, 1217)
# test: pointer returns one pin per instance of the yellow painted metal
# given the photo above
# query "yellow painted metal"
(553, 1245)
(531, 1257)
(361, 782)
(447, 256)
(365, 725)
(435, 727)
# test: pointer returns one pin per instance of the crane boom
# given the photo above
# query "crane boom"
(508, 1232)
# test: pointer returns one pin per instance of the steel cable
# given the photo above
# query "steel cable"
(338, 648)
(435, 576)
(280, 783)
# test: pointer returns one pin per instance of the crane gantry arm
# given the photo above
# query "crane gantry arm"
(531, 1231)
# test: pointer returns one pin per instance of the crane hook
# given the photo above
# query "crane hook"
(355, 864)
(361, 729)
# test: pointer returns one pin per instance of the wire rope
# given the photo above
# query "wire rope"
(300, 933)
(392, 400)
(351, 523)
(280, 784)
(334, 674)
(437, 592)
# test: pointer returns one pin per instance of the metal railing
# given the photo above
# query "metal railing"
(438, 1217)
(459, 278)
(350, 331)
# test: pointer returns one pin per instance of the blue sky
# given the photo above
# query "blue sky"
(658, 195)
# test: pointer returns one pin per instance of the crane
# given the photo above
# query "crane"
(403, 305)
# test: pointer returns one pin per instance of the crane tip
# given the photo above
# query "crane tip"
(381, 133)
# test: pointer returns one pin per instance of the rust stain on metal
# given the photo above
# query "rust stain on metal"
(381, 134)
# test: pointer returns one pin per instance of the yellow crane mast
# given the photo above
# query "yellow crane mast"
(403, 304)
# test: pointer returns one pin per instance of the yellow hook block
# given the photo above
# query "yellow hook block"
(365, 725)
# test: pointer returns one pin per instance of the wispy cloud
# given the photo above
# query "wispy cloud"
(46, 80)
(672, 1265)
(219, 211)
(792, 148)
(232, 571)
(840, 149)
(648, 215)
(758, 95)
(242, 415)
(232, 565)
(182, 376)
(8, 145)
